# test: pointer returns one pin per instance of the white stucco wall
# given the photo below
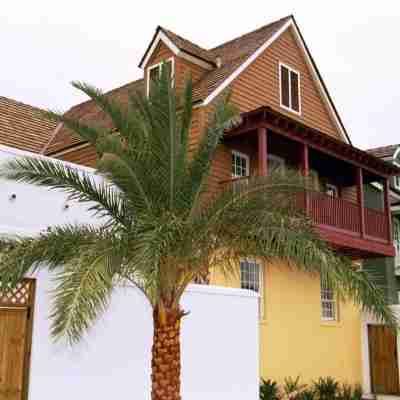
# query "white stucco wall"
(219, 336)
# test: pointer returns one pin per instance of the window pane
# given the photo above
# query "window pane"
(250, 275)
(154, 73)
(294, 83)
(328, 302)
(239, 166)
(168, 65)
(285, 86)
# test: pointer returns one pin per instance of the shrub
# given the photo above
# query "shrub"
(307, 394)
(269, 390)
(348, 392)
(326, 388)
(292, 387)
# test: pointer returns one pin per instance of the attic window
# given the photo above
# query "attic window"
(154, 72)
(289, 88)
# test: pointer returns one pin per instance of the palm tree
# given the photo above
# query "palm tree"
(160, 227)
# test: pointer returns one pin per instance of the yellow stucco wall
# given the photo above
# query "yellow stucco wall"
(293, 338)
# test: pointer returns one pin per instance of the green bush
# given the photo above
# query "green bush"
(292, 388)
(307, 394)
(269, 390)
(348, 392)
(325, 388)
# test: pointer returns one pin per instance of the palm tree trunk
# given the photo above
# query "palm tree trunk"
(166, 355)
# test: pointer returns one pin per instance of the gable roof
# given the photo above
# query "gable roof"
(22, 126)
(384, 151)
(180, 47)
(234, 56)
(88, 111)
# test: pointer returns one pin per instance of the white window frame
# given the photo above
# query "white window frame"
(260, 283)
(246, 157)
(333, 301)
(158, 65)
(290, 69)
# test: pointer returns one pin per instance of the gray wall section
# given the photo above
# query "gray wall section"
(373, 197)
(382, 269)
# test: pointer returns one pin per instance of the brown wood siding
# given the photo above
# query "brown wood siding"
(183, 68)
(83, 156)
(258, 85)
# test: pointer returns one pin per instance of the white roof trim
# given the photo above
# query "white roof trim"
(161, 36)
(243, 66)
(314, 73)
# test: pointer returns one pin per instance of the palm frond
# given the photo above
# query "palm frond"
(49, 250)
(86, 132)
(103, 199)
(82, 294)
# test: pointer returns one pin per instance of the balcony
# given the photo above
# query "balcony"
(341, 205)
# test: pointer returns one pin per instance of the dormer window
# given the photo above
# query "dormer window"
(154, 72)
(289, 88)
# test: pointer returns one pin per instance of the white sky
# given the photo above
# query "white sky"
(45, 44)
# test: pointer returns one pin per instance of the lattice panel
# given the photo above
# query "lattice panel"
(20, 296)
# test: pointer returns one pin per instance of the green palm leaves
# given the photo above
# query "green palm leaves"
(159, 226)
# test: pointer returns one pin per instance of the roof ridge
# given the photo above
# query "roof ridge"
(213, 49)
(181, 37)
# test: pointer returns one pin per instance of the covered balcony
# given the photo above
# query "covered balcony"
(343, 212)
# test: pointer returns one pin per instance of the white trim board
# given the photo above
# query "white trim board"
(162, 37)
(314, 73)
(158, 65)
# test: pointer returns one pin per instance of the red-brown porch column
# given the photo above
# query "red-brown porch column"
(306, 172)
(360, 200)
(387, 210)
(262, 152)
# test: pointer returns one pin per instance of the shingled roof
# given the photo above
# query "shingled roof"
(231, 56)
(22, 126)
(89, 112)
(384, 151)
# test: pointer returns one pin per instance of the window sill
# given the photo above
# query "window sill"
(331, 324)
(291, 110)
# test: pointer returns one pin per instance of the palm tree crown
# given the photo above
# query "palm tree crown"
(160, 226)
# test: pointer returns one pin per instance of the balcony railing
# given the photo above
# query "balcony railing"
(332, 211)
(341, 215)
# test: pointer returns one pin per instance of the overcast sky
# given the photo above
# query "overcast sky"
(45, 44)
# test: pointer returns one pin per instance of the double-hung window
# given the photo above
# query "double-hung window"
(251, 278)
(328, 302)
(154, 72)
(240, 165)
(240, 169)
(289, 80)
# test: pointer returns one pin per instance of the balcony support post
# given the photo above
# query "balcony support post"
(360, 200)
(306, 173)
(262, 151)
(388, 215)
